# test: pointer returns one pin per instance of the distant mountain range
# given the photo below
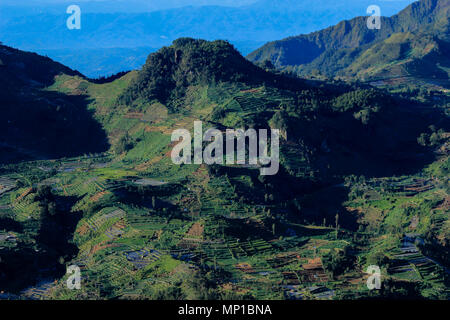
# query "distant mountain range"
(112, 6)
(413, 43)
(103, 61)
(110, 29)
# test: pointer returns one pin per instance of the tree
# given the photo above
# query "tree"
(123, 144)
(423, 139)
(377, 258)
(52, 210)
(44, 192)
(268, 65)
(337, 225)
(338, 261)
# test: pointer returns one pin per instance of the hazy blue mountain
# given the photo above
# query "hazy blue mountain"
(110, 6)
(247, 26)
(102, 61)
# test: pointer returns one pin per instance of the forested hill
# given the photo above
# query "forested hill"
(350, 45)
(169, 71)
(357, 171)
(211, 81)
(208, 81)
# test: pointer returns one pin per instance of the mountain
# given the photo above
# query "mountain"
(188, 62)
(114, 6)
(247, 27)
(413, 42)
(174, 76)
(38, 123)
(359, 169)
(43, 97)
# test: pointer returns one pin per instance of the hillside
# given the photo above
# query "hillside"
(36, 122)
(418, 35)
(174, 75)
(359, 169)
(169, 72)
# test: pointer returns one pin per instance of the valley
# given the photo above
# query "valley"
(87, 180)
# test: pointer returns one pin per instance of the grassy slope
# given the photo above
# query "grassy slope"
(149, 157)
(255, 233)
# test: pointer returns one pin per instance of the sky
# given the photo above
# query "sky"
(140, 6)
(156, 4)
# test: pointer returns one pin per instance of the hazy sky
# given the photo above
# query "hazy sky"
(165, 3)
(151, 3)
(129, 6)
(125, 6)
